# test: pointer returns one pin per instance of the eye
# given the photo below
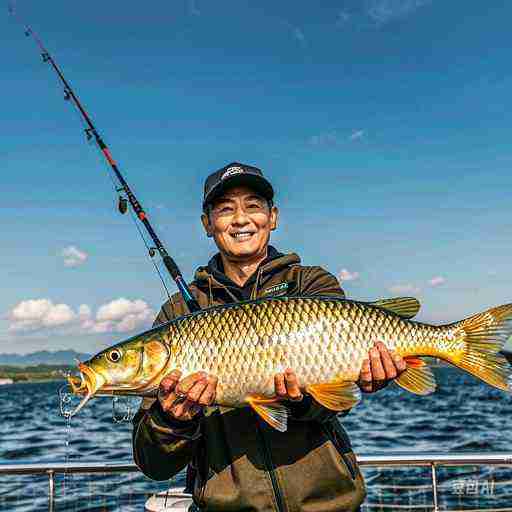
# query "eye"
(114, 355)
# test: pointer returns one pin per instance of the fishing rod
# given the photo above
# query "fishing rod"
(92, 133)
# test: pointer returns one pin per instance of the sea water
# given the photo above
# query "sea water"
(462, 416)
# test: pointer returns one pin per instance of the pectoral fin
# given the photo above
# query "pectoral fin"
(418, 377)
(275, 413)
(337, 396)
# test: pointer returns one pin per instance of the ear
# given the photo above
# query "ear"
(274, 215)
(206, 225)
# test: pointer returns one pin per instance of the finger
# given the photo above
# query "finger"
(387, 361)
(292, 385)
(182, 411)
(400, 363)
(196, 390)
(279, 385)
(366, 371)
(168, 401)
(169, 382)
(208, 395)
(376, 365)
(365, 377)
(187, 382)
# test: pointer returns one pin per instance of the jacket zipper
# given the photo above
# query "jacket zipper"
(269, 466)
(333, 437)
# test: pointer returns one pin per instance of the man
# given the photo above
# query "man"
(236, 461)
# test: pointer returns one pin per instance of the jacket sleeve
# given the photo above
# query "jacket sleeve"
(316, 281)
(163, 447)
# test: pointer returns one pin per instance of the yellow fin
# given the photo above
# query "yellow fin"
(336, 396)
(417, 378)
(406, 307)
(484, 335)
(271, 410)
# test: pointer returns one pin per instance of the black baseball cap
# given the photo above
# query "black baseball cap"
(236, 174)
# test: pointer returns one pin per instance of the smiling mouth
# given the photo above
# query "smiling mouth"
(242, 235)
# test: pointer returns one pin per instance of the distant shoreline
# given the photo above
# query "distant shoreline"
(35, 381)
(34, 373)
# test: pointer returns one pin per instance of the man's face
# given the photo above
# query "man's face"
(240, 221)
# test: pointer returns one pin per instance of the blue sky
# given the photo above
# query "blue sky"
(383, 124)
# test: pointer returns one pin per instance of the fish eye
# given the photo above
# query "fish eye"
(114, 355)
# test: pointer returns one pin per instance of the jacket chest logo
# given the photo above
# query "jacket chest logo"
(277, 289)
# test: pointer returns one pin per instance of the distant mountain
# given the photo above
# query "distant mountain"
(44, 357)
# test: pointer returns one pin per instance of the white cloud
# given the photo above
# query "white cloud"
(35, 314)
(358, 134)
(73, 257)
(403, 289)
(119, 315)
(123, 315)
(437, 280)
(384, 11)
(346, 275)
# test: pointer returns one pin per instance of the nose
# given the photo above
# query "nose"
(240, 217)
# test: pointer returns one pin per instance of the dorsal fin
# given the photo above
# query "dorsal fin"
(406, 307)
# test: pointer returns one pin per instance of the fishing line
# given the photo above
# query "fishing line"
(151, 253)
(151, 250)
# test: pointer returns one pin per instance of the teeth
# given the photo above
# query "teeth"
(242, 235)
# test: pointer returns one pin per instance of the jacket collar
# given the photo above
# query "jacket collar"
(213, 274)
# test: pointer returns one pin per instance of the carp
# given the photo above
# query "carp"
(323, 339)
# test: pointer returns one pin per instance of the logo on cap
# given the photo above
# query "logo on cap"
(232, 170)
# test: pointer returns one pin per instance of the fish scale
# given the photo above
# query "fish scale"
(320, 339)
(324, 340)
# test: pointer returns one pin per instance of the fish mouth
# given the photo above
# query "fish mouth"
(87, 385)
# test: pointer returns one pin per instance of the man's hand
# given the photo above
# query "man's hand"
(381, 367)
(183, 398)
(287, 386)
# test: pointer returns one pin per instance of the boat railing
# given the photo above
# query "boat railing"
(411, 459)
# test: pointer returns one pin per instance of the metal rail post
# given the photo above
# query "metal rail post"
(51, 489)
(434, 486)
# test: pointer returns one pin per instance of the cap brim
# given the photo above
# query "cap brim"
(257, 183)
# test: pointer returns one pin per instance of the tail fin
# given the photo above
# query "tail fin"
(483, 336)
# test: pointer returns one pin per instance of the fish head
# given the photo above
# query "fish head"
(132, 367)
